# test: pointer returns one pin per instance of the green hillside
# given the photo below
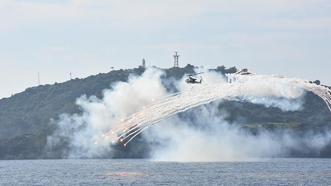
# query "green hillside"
(25, 118)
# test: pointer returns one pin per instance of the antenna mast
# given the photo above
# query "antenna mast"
(144, 63)
(176, 56)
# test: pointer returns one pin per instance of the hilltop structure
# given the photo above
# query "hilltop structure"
(176, 61)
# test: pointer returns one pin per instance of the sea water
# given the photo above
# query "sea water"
(146, 172)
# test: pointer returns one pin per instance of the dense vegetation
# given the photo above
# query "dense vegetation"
(25, 117)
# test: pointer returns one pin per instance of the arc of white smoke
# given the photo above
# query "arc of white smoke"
(135, 120)
(203, 94)
(321, 91)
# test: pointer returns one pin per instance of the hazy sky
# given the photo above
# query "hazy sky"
(85, 37)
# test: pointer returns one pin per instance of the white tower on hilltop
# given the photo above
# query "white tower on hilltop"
(144, 63)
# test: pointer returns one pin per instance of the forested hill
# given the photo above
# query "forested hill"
(25, 117)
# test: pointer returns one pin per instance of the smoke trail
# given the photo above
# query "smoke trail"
(84, 132)
(132, 107)
(253, 88)
(258, 89)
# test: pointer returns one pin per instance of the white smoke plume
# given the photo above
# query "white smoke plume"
(258, 89)
(86, 130)
(145, 100)
(177, 140)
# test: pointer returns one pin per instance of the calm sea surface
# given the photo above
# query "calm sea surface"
(143, 172)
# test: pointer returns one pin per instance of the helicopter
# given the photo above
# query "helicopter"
(192, 79)
(244, 72)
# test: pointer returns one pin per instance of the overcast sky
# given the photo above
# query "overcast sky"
(85, 37)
